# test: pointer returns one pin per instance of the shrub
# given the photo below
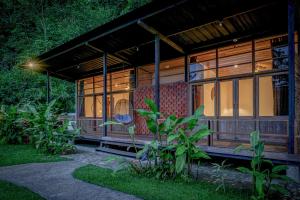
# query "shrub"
(263, 171)
(11, 126)
(49, 133)
(175, 155)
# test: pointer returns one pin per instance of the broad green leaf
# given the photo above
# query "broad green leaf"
(200, 134)
(169, 147)
(259, 184)
(150, 103)
(279, 168)
(172, 137)
(151, 125)
(239, 148)
(110, 123)
(254, 138)
(279, 188)
(244, 170)
(140, 153)
(268, 161)
(180, 150)
(259, 148)
(199, 111)
(144, 113)
(180, 163)
(281, 177)
(154, 145)
(200, 154)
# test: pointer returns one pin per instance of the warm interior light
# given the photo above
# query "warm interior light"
(30, 64)
(167, 66)
(236, 66)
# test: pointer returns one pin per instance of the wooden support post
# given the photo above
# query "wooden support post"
(48, 88)
(186, 68)
(157, 83)
(104, 101)
(156, 72)
(76, 101)
(291, 58)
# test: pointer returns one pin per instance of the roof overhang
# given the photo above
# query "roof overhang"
(185, 26)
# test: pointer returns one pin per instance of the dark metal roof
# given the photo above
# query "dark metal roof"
(194, 25)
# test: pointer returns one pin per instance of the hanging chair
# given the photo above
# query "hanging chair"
(123, 111)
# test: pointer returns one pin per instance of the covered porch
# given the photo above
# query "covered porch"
(236, 58)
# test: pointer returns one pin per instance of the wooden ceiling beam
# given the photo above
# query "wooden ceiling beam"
(161, 36)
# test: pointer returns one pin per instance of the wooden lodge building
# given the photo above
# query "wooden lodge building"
(240, 59)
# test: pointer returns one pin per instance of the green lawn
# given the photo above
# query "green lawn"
(20, 154)
(9, 191)
(153, 189)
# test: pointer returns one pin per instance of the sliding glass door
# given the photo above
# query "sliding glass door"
(236, 111)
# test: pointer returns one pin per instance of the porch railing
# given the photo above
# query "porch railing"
(90, 127)
(226, 132)
(231, 133)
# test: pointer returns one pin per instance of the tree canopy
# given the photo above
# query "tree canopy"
(31, 27)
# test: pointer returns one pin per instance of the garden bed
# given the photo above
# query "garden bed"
(153, 189)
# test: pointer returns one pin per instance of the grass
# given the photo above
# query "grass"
(153, 189)
(9, 191)
(20, 154)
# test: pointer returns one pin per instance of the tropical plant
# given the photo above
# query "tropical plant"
(219, 174)
(179, 150)
(11, 127)
(263, 171)
(48, 132)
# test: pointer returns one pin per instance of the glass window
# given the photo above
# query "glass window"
(203, 66)
(99, 106)
(271, 53)
(235, 59)
(121, 104)
(121, 81)
(99, 83)
(226, 98)
(88, 86)
(89, 106)
(170, 72)
(273, 95)
(99, 100)
(246, 97)
(205, 95)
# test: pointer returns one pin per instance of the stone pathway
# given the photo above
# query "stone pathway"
(54, 181)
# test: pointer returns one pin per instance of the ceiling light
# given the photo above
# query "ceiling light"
(236, 66)
(220, 22)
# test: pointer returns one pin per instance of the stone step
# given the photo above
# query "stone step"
(116, 152)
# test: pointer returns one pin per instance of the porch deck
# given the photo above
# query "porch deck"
(223, 149)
